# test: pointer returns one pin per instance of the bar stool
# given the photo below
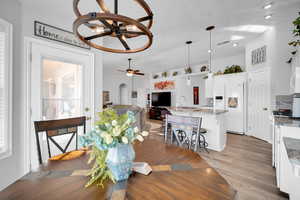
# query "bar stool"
(202, 139)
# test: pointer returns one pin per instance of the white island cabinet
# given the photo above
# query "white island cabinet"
(285, 132)
(212, 120)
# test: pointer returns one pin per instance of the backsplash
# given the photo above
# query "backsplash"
(284, 102)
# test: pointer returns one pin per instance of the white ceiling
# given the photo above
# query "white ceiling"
(176, 21)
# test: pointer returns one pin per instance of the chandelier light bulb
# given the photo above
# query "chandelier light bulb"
(129, 74)
(131, 28)
(209, 51)
(99, 30)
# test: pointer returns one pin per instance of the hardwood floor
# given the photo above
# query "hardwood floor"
(246, 163)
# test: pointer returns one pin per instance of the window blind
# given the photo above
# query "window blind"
(2, 91)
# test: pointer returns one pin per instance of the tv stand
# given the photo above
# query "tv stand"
(156, 113)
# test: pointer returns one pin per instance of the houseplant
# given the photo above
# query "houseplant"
(296, 33)
(233, 69)
(111, 146)
(188, 70)
(164, 74)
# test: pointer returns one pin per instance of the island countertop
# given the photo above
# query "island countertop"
(292, 146)
(197, 110)
(286, 121)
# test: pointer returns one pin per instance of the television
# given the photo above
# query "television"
(161, 99)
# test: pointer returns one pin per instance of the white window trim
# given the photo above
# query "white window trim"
(9, 99)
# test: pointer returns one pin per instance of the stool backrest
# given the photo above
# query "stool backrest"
(57, 128)
(184, 128)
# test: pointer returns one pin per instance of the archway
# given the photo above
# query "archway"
(123, 94)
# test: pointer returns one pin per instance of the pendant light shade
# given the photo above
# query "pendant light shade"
(188, 43)
(210, 51)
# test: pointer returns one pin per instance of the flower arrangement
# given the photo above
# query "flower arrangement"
(112, 130)
(164, 85)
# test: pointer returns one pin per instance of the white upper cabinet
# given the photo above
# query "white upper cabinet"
(209, 88)
(295, 76)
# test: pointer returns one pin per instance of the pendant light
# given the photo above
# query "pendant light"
(189, 82)
(210, 51)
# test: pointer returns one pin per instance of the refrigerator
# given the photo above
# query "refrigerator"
(230, 94)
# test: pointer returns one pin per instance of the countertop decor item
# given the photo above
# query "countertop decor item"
(114, 25)
(175, 73)
(111, 146)
(155, 76)
(204, 69)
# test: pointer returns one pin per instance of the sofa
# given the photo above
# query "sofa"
(138, 111)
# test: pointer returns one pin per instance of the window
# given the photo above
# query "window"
(5, 88)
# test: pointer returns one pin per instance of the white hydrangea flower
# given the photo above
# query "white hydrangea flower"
(136, 129)
(145, 133)
(107, 124)
(108, 139)
(114, 123)
(104, 134)
(140, 138)
(116, 131)
(125, 140)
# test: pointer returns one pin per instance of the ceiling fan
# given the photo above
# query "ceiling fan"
(131, 72)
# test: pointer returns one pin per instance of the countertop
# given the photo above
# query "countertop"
(197, 110)
(292, 146)
(286, 121)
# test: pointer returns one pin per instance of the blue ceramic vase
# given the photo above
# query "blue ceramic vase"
(119, 160)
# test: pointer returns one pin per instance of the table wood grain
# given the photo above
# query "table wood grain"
(200, 181)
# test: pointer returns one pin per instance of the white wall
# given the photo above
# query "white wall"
(113, 79)
(11, 167)
(47, 16)
(220, 64)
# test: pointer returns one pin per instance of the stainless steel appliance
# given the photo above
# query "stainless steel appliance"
(296, 105)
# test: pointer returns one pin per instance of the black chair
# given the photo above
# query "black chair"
(55, 128)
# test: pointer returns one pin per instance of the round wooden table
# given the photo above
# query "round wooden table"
(177, 174)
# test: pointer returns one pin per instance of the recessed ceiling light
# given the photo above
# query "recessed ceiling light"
(268, 6)
(268, 16)
(235, 44)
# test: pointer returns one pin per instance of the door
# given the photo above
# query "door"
(259, 104)
(61, 87)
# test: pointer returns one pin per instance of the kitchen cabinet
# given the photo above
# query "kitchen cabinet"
(286, 175)
(209, 88)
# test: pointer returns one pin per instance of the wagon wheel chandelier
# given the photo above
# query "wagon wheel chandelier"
(114, 25)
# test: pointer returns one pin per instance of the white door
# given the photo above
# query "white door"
(61, 87)
(259, 104)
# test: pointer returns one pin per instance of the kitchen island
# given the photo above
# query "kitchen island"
(212, 120)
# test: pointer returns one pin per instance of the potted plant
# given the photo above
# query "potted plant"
(111, 146)
(164, 74)
(296, 33)
(233, 69)
(188, 70)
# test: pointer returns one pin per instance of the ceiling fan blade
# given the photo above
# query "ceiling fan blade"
(137, 73)
(97, 36)
(124, 43)
(119, 70)
(137, 70)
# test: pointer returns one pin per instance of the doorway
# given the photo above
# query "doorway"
(123, 92)
(60, 85)
(259, 104)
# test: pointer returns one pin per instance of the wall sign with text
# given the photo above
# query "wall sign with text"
(259, 55)
(57, 34)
